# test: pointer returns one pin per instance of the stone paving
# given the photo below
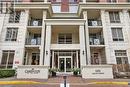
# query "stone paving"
(73, 81)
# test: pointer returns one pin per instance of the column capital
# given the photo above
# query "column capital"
(44, 14)
(45, 1)
(85, 14)
(84, 1)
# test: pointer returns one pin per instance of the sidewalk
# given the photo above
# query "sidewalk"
(73, 81)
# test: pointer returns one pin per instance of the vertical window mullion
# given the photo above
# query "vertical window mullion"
(7, 59)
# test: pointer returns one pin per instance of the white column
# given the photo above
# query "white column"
(52, 59)
(82, 46)
(84, 1)
(0, 55)
(2, 16)
(45, 1)
(19, 54)
(107, 51)
(47, 46)
(42, 39)
(77, 59)
(87, 38)
(126, 30)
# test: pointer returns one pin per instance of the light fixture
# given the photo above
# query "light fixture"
(83, 52)
(46, 52)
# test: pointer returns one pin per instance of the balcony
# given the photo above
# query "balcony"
(96, 40)
(35, 22)
(33, 41)
(92, 22)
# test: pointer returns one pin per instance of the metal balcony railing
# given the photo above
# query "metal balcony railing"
(96, 41)
(35, 22)
(33, 41)
(94, 22)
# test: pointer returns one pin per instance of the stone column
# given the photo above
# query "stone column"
(42, 39)
(2, 16)
(19, 54)
(84, 1)
(107, 51)
(47, 46)
(87, 38)
(126, 30)
(82, 46)
(45, 1)
(0, 55)
(21, 39)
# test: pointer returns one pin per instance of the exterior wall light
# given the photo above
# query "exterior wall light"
(83, 52)
(46, 52)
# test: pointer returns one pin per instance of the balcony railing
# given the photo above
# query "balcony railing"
(94, 23)
(33, 41)
(35, 22)
(96, 41)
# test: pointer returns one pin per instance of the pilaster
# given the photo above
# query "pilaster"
(82, 45)
(87, 38)
(107, 50)
(42, 39)
(47, 46)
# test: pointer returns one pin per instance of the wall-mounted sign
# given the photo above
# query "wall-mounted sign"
(32, 72)
(97, 72)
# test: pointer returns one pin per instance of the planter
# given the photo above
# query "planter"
(53, 74)
(75, 73)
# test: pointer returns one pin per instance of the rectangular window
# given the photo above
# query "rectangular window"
(7, 59)
(112, 1)
(14, 17)
(117, 34)
(35, 58)
(121, 57)
(65, 38)
(114, 17)
(11, 34)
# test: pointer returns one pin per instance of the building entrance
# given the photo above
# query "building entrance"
(65, 63)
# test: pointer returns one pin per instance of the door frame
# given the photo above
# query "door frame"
(64, 57)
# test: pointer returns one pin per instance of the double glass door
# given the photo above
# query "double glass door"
(65, 64)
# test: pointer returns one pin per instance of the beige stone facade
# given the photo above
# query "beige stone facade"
(90, 33)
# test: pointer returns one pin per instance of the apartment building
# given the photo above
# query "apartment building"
(65, 34)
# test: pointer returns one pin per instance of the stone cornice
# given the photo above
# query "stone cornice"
(34, 5)
(105, 6)
(65, 21)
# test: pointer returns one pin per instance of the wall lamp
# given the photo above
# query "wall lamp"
(46, 52)
(83, 52)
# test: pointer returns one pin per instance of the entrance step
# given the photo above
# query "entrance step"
(64, 73)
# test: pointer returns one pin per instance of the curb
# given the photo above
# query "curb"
(115, 83)
(19, 82)
(34, 82)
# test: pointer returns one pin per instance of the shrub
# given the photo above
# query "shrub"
(6, 73)
(76, 71)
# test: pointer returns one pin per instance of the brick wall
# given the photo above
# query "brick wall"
(26, 0)
(65, 6)
(117, 0)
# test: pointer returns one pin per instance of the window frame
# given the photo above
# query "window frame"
(65, 38)
(121, 57)
(13, 17)
(115, 34)
(8, 53)
(114, 17)
(11, 34)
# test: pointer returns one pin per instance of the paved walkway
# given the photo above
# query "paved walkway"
(73, 81)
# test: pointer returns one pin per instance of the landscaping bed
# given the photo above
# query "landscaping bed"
(4, 73)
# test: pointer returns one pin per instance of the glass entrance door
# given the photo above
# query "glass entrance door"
(65, 64)
(68, 64)
(62, 64)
